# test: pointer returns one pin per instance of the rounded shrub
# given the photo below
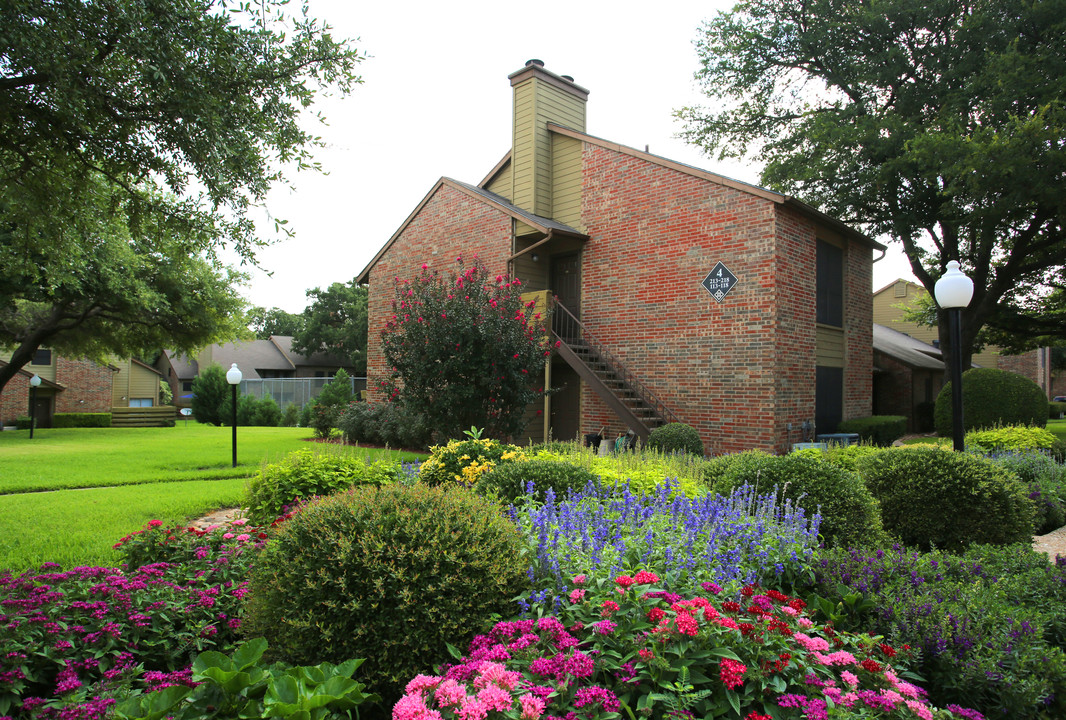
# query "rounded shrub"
(1014, 437)
(510, 481)
(305, 474)
(1046, 481)
(881, 430)
(933, 497)
(676, 437)
(391, 574)
(389, 423)
(990, 398)
(850, 514)
(465, 461)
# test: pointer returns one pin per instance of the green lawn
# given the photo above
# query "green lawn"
(95, 457)
(68, 495)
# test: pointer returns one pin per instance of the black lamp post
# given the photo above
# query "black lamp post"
(233, 377)
(953, 292)
(35, 382)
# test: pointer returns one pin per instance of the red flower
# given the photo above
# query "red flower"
(730, 606)
(646, 578)
(624, 581)
(609, 606)
(732, 673)
(888, 650)
(871, 665)
(656, 614)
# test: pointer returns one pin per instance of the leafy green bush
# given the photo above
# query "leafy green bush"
(266, 413)
(1056, 410)
(304, 474)
(390, 423)
(290, 417)
(76, 420)
(1046, 480)
(22, 422)
(306, 412)
(392, 574)
(330, 404)
(931, 496)
(850, 515)
(845, 456)
(676, 437)
(210, 392)
(509, 481)
(465, 461)
(1014, 437)
(991, 398)
(640, 472)
(881, 430)
(240, 685)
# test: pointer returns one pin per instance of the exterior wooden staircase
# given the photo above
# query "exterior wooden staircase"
(624, 393)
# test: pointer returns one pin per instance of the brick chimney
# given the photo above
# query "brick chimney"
(540, 97)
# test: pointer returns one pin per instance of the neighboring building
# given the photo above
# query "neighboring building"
(135, 384)
(908, 376)
(258, 360)
(67, 386)
(716, 303)
(889, 305)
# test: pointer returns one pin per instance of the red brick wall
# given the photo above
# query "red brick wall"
(14, 399)
(450, 224)
(740, 370)
(1028, 364)
(87, 386)
(858, 332)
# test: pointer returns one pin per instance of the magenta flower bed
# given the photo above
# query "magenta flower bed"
(628, 648)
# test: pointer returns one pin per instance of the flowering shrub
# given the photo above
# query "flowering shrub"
(465, 461)
(64, 634)
(990, 623)
(627, 648)
(465, 350)
(1046, 481)
(600, 532)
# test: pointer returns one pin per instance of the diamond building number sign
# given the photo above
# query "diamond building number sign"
(719, 282)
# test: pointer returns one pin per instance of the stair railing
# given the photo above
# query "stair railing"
(567, 329)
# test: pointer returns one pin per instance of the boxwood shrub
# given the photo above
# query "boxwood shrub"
(509, 481)
(676, 437)
(1014, 437)
(933, 497)
(880, 430)
(993, 397)
(392, 574)
(850, 514)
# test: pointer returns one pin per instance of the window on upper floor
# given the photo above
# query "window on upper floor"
(42, 357)
(829, 284)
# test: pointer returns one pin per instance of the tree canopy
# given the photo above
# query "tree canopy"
(335, 321)
(275, 321)
(941, 125)
(136, 137)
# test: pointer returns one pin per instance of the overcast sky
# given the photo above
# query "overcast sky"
(436, 101)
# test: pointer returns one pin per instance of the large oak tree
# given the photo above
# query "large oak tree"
(136, 137)
(939, 124)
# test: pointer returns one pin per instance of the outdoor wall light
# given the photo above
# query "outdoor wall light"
(534, 257)
(233, 377)
(953, 292)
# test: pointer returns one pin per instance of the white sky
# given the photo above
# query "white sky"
(436, 102)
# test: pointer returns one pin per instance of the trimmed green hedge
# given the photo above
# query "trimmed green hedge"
(991, 398)
(879, 430)
(76, 420)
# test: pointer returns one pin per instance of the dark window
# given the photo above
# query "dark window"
(828, 398)
(186, 386)
(42, 357)
(830, 284)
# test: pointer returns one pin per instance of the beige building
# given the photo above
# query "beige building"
(889, 307)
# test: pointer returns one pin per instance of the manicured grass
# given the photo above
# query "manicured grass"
(1058, 427)
(95, 457)
(79, 527)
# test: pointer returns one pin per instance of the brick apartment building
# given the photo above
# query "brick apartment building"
(67, 386)
(682, 295)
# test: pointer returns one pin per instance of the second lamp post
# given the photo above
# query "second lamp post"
(953, 292)
(233, 377)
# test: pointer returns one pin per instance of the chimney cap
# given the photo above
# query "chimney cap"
(535, 61)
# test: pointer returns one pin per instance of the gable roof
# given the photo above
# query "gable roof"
(906, 349)
(543, 224)
(284, 344)
(779, 198)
